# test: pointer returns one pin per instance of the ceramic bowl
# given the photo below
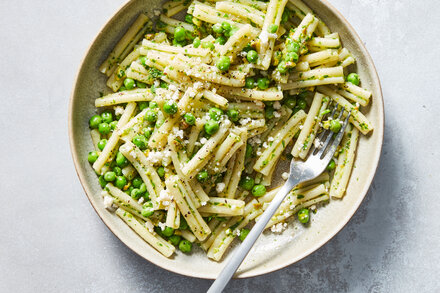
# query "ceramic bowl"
(272, 251)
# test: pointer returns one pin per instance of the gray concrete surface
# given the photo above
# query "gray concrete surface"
(51, 240)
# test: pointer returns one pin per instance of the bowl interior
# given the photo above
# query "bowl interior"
(272, 251)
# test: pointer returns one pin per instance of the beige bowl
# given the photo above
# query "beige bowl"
(271, 252)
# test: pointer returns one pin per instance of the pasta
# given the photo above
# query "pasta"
(201, 110)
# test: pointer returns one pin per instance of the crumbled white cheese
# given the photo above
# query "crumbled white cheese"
(165, 198)
(220, 187)
(276, 114)
(258, 103)
(141, 200)
(245, 121)
(259, 153)
(265, 145)
(133, 154)
(119, 110)
(203, 140)
(313, 207)
(277, 105)
(156, 83)
(156, 12)
(179, 133)
(162, 226)
(228, 231)
(172, 87)
(285, 175)
(149, 226)
(317, 143)
(278, 228)
(203, 203)
(270, 138)
(238, 232)
(108, 201)
(155, 157)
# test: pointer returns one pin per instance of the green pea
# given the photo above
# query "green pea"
(233, 115)
(147, 209)
(137, 182)
(141, 85)
(223, 63)
(263, 83)
(102, 181)
(109, 176)
(147, 132)
(92, 157)
(304, 216)
(259, 190)
(252, 56)
(301, 103)
(291, 57)
(208, 45)
(136, 193)
(217, 28)
(142, 105)
(282, 67)
(249, 150)
(174, 239)
(161, 171)
(247, 183)
(215, 113)
(250, 83)
(189, 118)
(290, 102)
(168, 231)
(183, 223)
(179, 34)
(121, 181)
(293, 47)
(153, 105)
(140, 141)
(104, 128)
(143, 61)
(331, 165)
(151, 115)
(335, 125)
(189, 18)
(102, 143)
(121, 161)
(272, 28)
(129, 83)
(185, 246)
(211, 127)
(353, 78)
(170, 107)
(243, 233)
(268, 113)
(117, 170)
(94, 121)
(233, 30)
(113, 125)
(196, 42)
(226, 26)
(221, 40)
(202, 176)
(107, 117)
(143, 188)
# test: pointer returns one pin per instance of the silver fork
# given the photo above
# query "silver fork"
(300, 171)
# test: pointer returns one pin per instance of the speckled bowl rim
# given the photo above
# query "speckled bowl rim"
(368, 180)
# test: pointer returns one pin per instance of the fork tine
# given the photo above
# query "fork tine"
(330, 136)
(337, 139)
(314, 149)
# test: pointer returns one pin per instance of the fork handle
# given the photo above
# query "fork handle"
(244, 248)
